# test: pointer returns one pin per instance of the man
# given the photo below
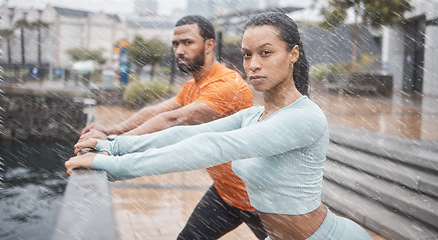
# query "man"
(214, 92)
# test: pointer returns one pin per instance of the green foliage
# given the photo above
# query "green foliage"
(319, 71)
(371, 12)
(6, 33)
(386, 12)
(232, 41)
(333, 17)
(139, 93)
(156, 49)
(136, 51)
(21, 24)
(374, 12)
(38, 24)
(96, 77)
(164, 70)
(83, 54)
(151, 51)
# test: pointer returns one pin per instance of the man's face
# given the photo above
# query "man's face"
(188, 47)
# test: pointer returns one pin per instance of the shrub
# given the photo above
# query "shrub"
(163, 70)
(96, 77)
(139, 93)
(319, 71)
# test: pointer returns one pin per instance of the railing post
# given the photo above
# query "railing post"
(87, 210)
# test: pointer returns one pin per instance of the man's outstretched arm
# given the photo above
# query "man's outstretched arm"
(144, 115)
(192, 114)
(96, 131)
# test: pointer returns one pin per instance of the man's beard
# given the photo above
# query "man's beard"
(192, 65)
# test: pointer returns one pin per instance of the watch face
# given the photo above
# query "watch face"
(112, 137)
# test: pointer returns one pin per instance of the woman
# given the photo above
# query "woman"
(278, 149)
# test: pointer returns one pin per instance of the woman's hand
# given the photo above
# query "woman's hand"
(83, 161)
(89, 143)
(93, 133)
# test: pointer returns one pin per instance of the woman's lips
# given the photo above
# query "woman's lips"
(256, 79)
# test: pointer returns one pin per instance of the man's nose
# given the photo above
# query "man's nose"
(178, 50)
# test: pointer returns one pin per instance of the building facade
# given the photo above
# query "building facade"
(211, 8)
(410, 50)
(70, 28)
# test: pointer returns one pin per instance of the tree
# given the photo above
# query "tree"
(151, 51)
(22, 24)
(38, 25)
(136, 51)
(367, 12)
(83, 54)
(7, 34)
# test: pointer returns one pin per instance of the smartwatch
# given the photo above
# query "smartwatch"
(111, 137)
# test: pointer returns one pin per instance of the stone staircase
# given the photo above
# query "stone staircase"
(387, 184)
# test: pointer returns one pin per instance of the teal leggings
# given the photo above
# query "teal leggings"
(338, 228)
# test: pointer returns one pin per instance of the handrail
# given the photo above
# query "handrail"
(87, 210)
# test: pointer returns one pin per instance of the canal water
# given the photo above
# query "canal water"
(32, 183)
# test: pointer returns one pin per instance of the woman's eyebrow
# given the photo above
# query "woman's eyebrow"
(259, 47)
(263, 45)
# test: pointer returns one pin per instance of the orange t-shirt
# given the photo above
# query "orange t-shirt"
(226, 92)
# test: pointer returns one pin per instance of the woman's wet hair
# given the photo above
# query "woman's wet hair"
(288, 33)
(206, 29)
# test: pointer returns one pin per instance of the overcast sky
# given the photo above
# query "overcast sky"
(122, 7)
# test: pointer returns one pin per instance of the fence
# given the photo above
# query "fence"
(86, 211)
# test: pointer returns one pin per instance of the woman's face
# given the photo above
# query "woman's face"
(266, 60)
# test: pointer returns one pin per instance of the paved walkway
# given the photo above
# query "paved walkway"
(157, 207)
(404, 115)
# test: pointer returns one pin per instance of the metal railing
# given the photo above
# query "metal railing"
(86, 211)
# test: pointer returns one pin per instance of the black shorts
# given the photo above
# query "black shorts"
(213, 218)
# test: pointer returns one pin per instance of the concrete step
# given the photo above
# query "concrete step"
(374, 216)
(418, 153)
(431, 145)
(404, 200)
(388, 184)
(405, 175)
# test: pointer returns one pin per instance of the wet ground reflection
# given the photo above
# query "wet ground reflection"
(405, 115)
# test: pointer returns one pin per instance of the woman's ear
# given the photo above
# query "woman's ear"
(294, 54)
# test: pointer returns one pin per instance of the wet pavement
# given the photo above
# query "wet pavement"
(404, 115)
(157, 207)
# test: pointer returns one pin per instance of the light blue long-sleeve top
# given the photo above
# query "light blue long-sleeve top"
(280, 159)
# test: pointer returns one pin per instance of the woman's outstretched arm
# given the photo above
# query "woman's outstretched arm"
(284, 132)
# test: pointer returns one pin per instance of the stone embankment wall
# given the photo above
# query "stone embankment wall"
(29, 114)
(111, 97)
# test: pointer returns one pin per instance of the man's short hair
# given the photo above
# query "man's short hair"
(206, 29)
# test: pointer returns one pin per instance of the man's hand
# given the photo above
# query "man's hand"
(83, 161)
(89, 143)
(93, 133)
(93, 126)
